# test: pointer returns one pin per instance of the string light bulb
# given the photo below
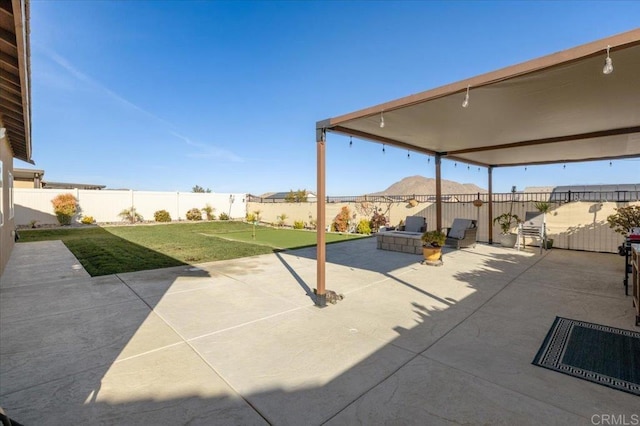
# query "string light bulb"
(465, 103)
(608, 63)
(382, 120)
(408, 155)
(383, 150)
(350, 142)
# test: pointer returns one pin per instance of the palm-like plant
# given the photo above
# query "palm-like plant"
(506, 221)
(130, 215)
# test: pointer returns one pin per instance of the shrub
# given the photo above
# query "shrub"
(313, 223)
(377, 221)
(131, 215)
(64, 206)
(251, 217)
(87, 220)
(281, 219)
(363, 227)
(224, 216)
(624, 219)
(208, 211)
(162, 216)
(298, 224)
(341, 221)
(194, 214)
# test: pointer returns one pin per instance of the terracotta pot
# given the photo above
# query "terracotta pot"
(432, 254)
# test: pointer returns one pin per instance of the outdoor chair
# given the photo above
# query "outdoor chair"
(462, 233)
(534, 227)
(414, 224)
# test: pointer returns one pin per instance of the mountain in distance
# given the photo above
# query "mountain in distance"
(420, 185)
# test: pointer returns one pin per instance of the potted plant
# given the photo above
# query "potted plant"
(432, 242)
(506, 221)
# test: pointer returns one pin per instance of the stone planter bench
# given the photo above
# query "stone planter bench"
(402, 241)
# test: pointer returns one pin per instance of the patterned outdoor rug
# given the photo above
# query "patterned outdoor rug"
(605, 355)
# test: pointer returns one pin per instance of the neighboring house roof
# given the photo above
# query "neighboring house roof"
(598, 188)
(15, 77)
(29, 174)
(66, 185)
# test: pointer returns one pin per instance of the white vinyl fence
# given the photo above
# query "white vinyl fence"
(104, 206)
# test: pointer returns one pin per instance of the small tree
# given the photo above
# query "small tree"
(131, 215)
(378, 220)
(341, 221)
(299, 196)
(64, 206)
(198, 188)
(281, 219)
(624, 219)
(208, 211)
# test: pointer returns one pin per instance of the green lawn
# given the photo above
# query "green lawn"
(283, 238)
(115, 249)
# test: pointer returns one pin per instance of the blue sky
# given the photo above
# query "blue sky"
(165, 95)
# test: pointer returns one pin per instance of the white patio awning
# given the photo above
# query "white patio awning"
(558, 108)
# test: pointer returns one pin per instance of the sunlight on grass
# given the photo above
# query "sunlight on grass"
(284, 238)
(116, 249)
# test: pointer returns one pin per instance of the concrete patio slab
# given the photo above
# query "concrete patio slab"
(54, 262)
(302, 366)
(66, 343)
(240, 342)
(500, 349)
(206, 310)
(55, 297)
(425, 392)
(169, 386)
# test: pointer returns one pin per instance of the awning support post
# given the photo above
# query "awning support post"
(438, 192)
(490, 214)
(321, 297)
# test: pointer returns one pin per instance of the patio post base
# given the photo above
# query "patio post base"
(321, 300)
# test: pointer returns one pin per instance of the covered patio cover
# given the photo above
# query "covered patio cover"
(557, 108)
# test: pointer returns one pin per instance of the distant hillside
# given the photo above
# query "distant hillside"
(420, 185)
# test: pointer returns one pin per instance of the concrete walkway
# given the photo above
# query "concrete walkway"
(240, 342)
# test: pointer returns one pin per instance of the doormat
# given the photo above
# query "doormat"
(605, 355)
